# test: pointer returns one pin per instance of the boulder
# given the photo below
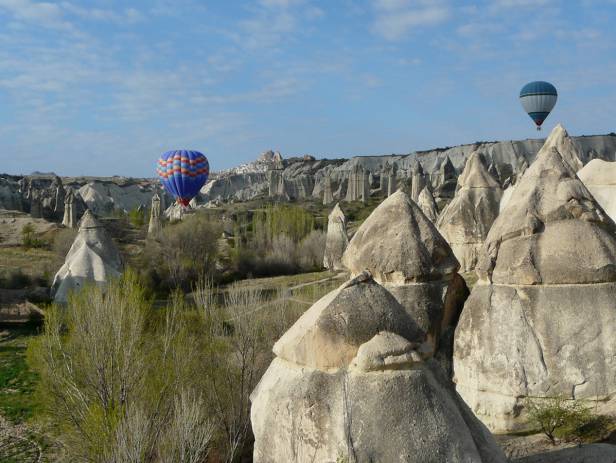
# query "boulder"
(336, 240)
(599, 177)
(539, 321)
(92, 258)
(404, 252)
(466, 220)
(341, 377)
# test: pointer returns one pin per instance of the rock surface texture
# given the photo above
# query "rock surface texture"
(427, 204)
(404, 251)
(600, 178)
(540, 320)
(93, 258)
(336, 240)
(466, 220)
(351, 381)
(155, 225)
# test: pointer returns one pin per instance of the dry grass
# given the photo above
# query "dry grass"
(36, 263)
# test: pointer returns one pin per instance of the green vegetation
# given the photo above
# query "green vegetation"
(137, 217)
(558, 417)
(39, 265)
(17, 379)
(29, 238)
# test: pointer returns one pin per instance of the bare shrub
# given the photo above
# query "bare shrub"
(186, 251)
(311, 251)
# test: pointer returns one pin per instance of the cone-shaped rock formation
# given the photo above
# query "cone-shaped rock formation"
(600, 178)
(466, 220)
(336, 240)
(427, 204)
(405, 252)
(93, 257)
(351, 367)
(541, 319)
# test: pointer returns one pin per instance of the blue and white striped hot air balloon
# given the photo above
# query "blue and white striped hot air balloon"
(538, 99)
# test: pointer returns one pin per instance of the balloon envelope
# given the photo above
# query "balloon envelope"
(538, 99)
(183, 173)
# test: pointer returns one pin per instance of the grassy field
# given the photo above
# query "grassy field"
(36, 263)
(17, 380)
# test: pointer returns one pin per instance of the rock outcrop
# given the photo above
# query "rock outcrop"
(404, 252)
(93, 258)
(427, 204)
(358, 187)
(155, 225)
(351, 367)
(540, 320)
(466, 220)
(328, 196)
(69, 219)
(600, 178)
(336, 241)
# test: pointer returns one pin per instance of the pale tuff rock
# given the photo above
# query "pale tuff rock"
(93, 258)
(399, 244)
(328, 394)
(550, 252)
(566, 147)
(70, 214)
(405, 252)
(155, 226)
(466, 220)
(600, 178)
(358, 187)
(329, 334)
(418, 181)
(336, 240)
(427, 204)
(328, 196)
(104, 197)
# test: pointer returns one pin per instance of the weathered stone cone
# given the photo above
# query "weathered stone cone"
(352, 379)
(466, 220)
(600, 178)
(541, 320)
(427, 204)
(93, 257)
(405, 253)
(336, 241)
(155, 225)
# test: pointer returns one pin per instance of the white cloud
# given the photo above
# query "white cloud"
(395, 19)
(127, 16)
(43, 14)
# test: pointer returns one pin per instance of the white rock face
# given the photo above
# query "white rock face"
(155, 225)
(336, 241)
(93, 258)
(541, 319)
(404, 251)
(350, 368)
(103, 197)
(427, 204)
(600, 178)
(466, 220)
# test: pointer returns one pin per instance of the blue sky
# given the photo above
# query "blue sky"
(102, 87)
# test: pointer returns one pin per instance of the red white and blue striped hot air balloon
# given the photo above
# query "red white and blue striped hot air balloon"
(183, 173)
(538, 99)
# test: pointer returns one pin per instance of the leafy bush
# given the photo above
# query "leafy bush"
(115, 382)
(563, 418)
(29, 238)
(137, 217)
